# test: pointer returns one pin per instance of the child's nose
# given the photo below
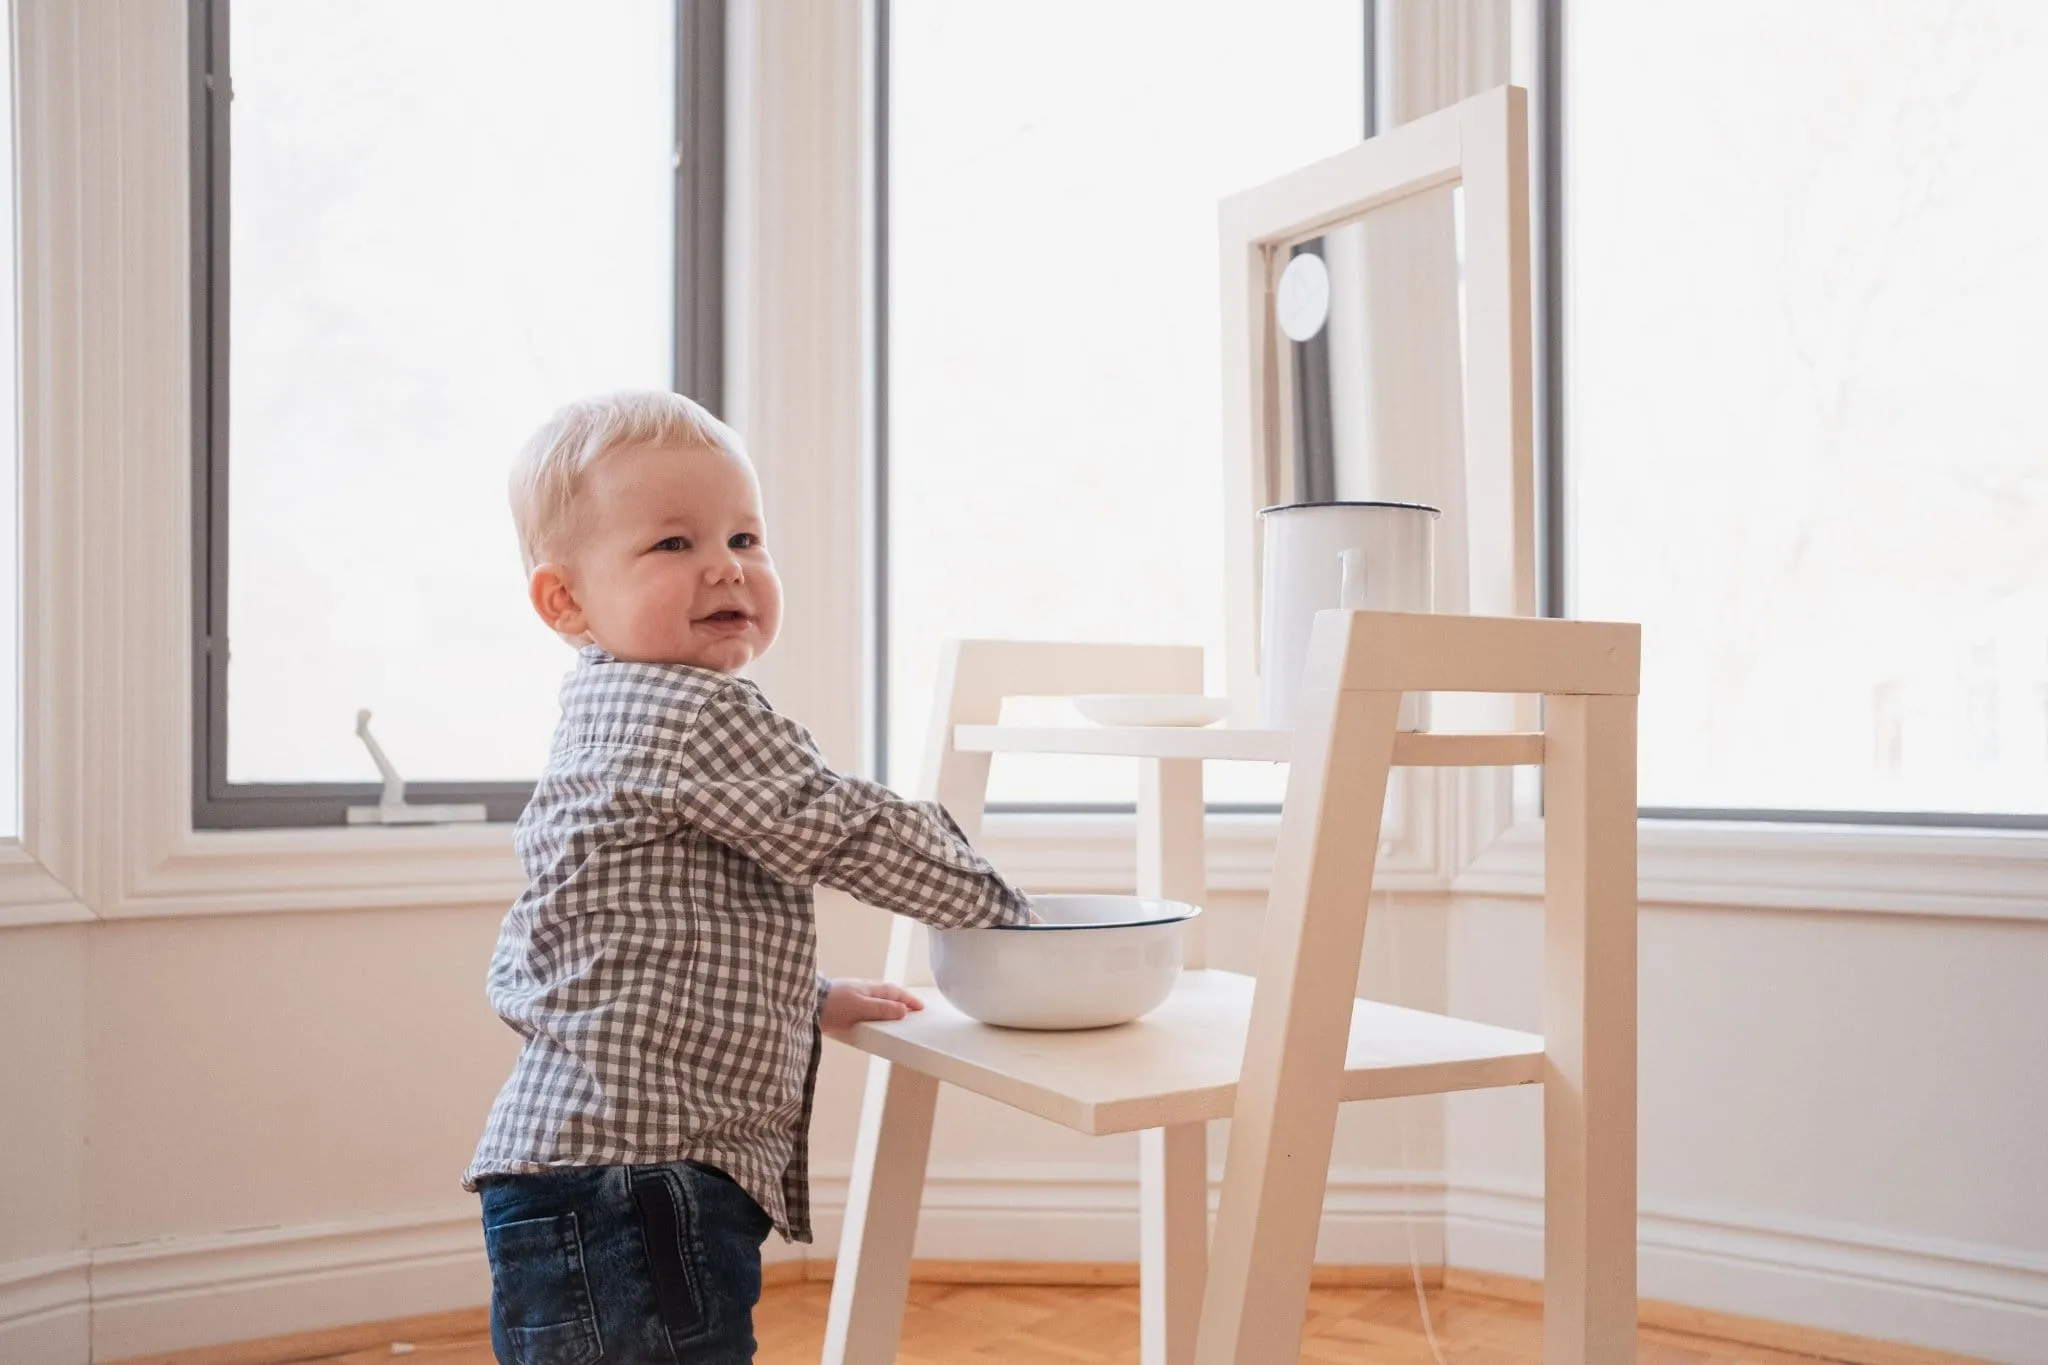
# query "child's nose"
(724, 568)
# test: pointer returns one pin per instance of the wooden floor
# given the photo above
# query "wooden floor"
(1026, 1325)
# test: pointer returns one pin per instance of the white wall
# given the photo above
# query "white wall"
(1842, 1118)
(256, 1123)
(43, 978)
(286, 1069)
(209, 1105)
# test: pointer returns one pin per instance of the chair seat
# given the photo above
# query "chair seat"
(1180, 1063)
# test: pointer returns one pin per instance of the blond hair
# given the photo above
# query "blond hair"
(551, 466)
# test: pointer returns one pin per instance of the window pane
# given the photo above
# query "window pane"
(447, 219)
(1806, 275)
(1054, 451)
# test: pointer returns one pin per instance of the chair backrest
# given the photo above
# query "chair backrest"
(974, 678)
(1486, 543)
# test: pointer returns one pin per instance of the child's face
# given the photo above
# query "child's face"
(666, 562)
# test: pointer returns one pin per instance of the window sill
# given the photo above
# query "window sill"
(1946, 873)
(229, 872)
(29, 895)
(1985, 874)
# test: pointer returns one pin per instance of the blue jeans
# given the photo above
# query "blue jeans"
(623, 1265)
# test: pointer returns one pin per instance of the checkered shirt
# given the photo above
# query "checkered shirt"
(660, 966)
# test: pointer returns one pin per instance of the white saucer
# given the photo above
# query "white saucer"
(1139, 708)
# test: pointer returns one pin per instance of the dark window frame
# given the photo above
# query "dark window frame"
(1313, 414)
(698, 371)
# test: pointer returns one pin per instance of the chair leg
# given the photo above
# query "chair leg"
(1285, 1119)
(1172, 852)
(1589, 1031)
(1173, 1260)
(872, 1278)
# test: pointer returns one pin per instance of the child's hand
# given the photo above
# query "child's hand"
(858, 1002)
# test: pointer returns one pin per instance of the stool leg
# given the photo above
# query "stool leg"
(1285, 1119)
(1589, 1031)
(872, 1278)
(1173, 1259)
(1173, 1170)
(1172, 852)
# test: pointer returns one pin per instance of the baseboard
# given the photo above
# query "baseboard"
(1838, 1347)
(166, 1297)
(472, 1323)
(320, 1344)
(152, 1298)
(45, 1310)
(1089, 1274)
(1982, 1302)
(1045, 1224)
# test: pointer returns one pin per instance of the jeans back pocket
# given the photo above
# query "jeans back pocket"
(668, 1225)
(540, 1292)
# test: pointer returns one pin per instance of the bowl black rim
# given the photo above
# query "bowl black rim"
(1194, 912)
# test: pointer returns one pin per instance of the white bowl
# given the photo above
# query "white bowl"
(1096, 961)
(1151, 708)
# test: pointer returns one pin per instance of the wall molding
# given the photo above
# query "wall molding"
(44, 1304)
(284, 870)
(30, 895)
(177, 1293)
(1915, 874)
(1978, 1300)
(1756, 867)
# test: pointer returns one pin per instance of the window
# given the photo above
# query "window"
(1803, 280)
(1051, 444)
(426, 226)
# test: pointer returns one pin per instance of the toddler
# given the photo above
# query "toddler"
(660, 964)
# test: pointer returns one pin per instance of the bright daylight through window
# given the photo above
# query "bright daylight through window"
(1053, 444)
(1805, 358)
(446, 220)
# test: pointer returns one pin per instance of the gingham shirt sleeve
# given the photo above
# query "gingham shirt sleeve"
(754, 780)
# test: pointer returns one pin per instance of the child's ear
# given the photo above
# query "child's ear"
(554, 602)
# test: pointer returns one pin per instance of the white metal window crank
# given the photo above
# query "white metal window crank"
(392, 808)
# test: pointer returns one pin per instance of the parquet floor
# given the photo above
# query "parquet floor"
(948, 1324)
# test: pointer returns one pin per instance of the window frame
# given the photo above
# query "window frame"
(1313, 413)
(106, 828)
(698, 342)
(1552, 17)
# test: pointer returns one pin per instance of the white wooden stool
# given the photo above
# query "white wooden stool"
(1277, 1053)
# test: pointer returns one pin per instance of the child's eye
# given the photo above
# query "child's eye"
(745, 540)
(672, 545)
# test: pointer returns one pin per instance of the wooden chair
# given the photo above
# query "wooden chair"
(873, 1272)
(1278, 1053)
